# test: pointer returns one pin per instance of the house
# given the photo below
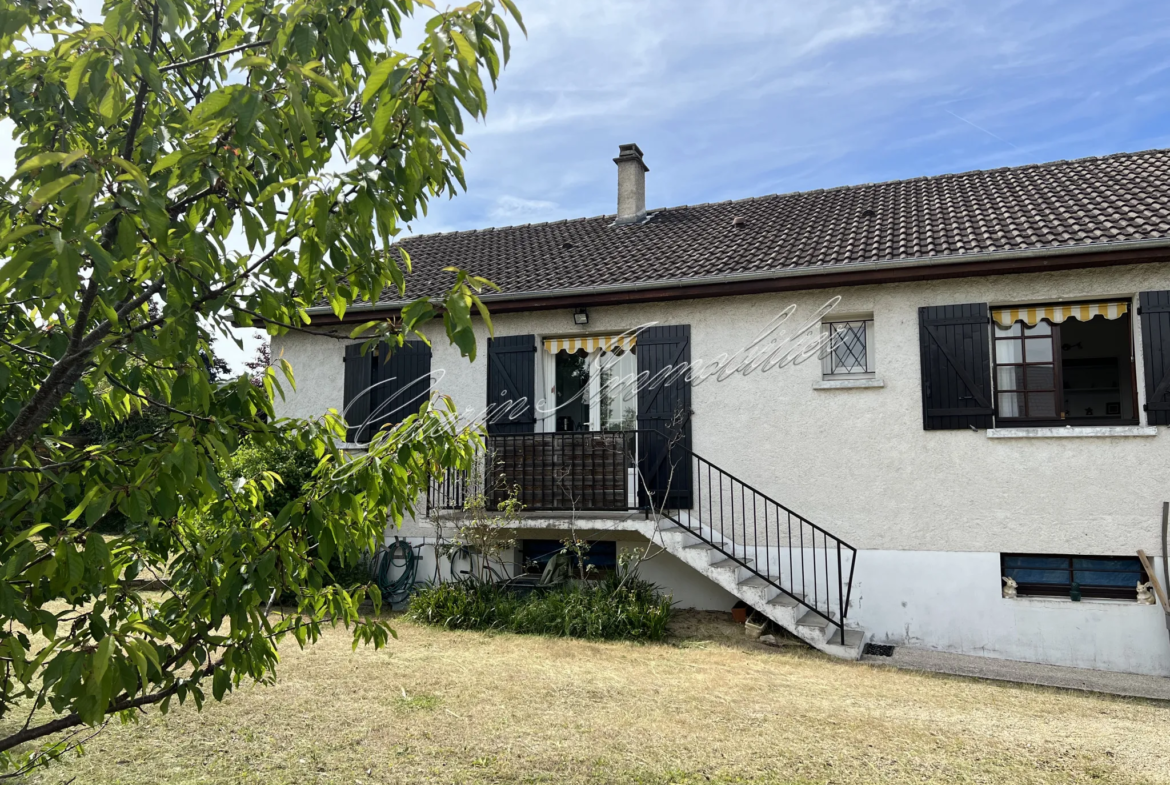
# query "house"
(929, 412)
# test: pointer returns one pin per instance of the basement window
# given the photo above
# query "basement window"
(1105, 577)
(600, 555)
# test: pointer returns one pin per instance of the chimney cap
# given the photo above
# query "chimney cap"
(630, 152)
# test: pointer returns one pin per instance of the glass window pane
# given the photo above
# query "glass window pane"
(618, 391)
(1011, 404)
(1008, 352)
(1042, 404)
(1041, 377)
(848, 350)
(1009, 377)
(1038, 350)
(1108, 572)
(1102, 578)
(572, 391)
(1037, 569)
(1003, 332)
(1041, 328)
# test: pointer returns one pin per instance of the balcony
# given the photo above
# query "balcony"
(563, 472)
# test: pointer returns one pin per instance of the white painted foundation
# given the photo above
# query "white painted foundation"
(949, 601)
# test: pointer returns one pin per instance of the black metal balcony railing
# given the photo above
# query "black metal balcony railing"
(645, 471)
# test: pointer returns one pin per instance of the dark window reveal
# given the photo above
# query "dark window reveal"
(602, 554)
(1112, 577)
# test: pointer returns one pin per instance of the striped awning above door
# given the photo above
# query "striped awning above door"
(590, 343)
(1031, 315)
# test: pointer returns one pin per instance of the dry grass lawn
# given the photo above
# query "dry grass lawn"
(709, 706)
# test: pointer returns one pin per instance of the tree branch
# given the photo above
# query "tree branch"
(74, 719)
(212, 56)
(159, 404)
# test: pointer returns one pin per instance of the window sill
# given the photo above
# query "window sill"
(1036, 599)
(1070, 431)
(847, 384)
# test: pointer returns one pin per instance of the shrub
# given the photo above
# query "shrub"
(295, 468)
(605, 610)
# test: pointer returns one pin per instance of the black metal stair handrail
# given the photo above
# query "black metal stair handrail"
(594, 471)
(750, 528)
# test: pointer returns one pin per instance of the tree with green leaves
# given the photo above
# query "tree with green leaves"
(186, 166)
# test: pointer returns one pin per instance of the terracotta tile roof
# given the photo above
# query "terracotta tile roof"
(1082, 203)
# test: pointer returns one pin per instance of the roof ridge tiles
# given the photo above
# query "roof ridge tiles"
(1092, 202)
(853, 186)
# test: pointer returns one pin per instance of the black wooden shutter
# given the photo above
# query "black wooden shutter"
(956, 366)
(664, 415)
(358, 378)
(1154, 309)
(511, 392)
(402, 376)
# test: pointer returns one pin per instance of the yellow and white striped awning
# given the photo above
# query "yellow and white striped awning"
(590, 343)
(1031, 315)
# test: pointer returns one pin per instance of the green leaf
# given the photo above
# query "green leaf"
(219, 683)
(49, 190)
(133, 171)
(253, 61)
(167, 161)
(44, 159)
(19, 232)
(26, 534)
(101, 658)
(110, 106)
(76, 74)
(377, 78)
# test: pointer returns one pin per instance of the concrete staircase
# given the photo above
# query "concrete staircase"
(721, 562)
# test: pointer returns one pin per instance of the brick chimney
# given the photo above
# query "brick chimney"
(631, 185)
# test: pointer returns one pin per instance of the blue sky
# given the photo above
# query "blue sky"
(731, 98)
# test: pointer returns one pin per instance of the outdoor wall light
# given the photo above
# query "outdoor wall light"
(580, 316)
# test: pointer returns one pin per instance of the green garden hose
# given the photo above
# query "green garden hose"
(398, 555)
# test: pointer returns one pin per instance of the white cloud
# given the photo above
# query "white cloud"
(516, 209)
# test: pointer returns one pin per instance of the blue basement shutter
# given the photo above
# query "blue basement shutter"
(955, 343)
(664, 416)
(1154, 309)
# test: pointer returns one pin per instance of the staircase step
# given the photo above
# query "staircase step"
(783, 601)
(702, 544)
(754, 580)
(853, 638)
(666, 524)
(811, 619)
(732, 563)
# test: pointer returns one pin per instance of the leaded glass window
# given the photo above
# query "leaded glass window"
(849, 347)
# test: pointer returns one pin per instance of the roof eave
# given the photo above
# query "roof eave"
(800, 272)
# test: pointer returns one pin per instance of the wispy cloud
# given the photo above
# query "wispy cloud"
(746, 97)
(513, 208)
(740, 98)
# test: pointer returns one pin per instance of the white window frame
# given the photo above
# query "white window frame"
(827, 371)
(547, 371)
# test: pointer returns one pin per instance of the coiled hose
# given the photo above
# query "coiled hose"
(398, 555)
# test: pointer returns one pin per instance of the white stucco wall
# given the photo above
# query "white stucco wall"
(930, 511)
(857, 461)
(950, 601)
